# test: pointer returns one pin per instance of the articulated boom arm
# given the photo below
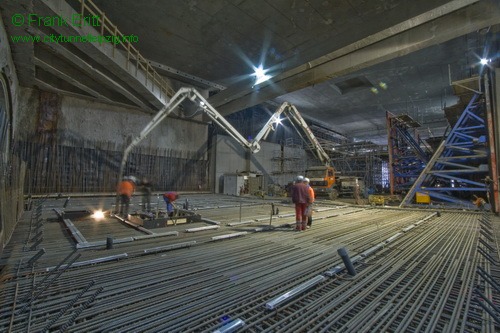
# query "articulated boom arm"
(270, 125)
(222, 122)
(316, 147)
(291, 112)
(190, 93)
(174, 102)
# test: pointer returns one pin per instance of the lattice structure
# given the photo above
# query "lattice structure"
(457, 171)
(408, 154)
(363, 160)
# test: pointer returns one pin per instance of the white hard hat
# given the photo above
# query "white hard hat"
(133, 179)
(306, 180)
(300, 178)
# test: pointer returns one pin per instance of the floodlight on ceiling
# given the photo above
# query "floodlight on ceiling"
(484, 61)
(383, 85)
(260, 75)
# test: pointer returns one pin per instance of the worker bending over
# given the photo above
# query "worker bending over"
(479, 202)
(169, 198)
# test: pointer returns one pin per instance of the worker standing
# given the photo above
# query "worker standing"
(301, 199)
(125, 190)
(146, 189)
(312, 197)
(169, 198)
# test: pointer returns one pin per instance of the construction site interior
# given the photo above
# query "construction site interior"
(390, 109)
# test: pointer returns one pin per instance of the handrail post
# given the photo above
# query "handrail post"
(82, 11)
(115, 36)
(103, 22)
(132, 52)
(136, 62)
(128, 55)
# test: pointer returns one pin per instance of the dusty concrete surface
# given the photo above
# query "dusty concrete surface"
(82, 118)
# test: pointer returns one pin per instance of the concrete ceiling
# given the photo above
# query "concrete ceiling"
(327, 57)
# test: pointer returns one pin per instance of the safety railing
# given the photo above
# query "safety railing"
(133, 55)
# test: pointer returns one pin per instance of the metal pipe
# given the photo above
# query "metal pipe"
(211, 227)
(36, 257)
(271, 305)
(236, 234)
(232, 326)
(109, 243)
(347, 261)
(170, 247)
(91, 262)
(209, 221)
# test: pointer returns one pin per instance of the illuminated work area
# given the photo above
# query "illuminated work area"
(249, 166)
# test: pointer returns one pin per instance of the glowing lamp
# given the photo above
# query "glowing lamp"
(260, 75)
(98, 215)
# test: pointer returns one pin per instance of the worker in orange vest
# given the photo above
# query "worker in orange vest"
(479, 202)
(125, 190)
(312, 196)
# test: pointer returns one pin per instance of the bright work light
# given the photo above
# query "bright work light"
(260, 75)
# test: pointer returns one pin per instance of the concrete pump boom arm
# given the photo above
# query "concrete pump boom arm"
(192, 94)
(271, 124)
(316, 146)
(293, 115)
(175, 101)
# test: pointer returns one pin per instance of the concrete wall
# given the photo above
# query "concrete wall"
(10, 83)
(227, 157)
(173, 155)
(102, 122)
(26, 113)
(84, 119)
(230, 158)
(11, 167)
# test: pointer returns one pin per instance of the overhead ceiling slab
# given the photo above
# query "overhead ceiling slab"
(436, 26)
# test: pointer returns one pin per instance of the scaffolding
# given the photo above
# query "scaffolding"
(287, 160)
(408, 154)
(457, 172)
(363, 160)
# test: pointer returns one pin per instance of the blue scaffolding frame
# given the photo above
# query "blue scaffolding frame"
(457, 170)
(408, 155)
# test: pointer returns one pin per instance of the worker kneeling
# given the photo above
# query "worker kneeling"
(169, 199)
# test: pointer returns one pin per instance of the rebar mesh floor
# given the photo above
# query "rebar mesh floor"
(244, 268)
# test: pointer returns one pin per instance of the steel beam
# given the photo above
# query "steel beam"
(454, 19)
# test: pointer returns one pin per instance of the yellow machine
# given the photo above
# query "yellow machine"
(422, 198)
(374, 199)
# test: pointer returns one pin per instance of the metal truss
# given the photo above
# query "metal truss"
(459, 167)
(408, 155)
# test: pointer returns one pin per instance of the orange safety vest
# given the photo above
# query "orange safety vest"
(311, 194)
(125, 187)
